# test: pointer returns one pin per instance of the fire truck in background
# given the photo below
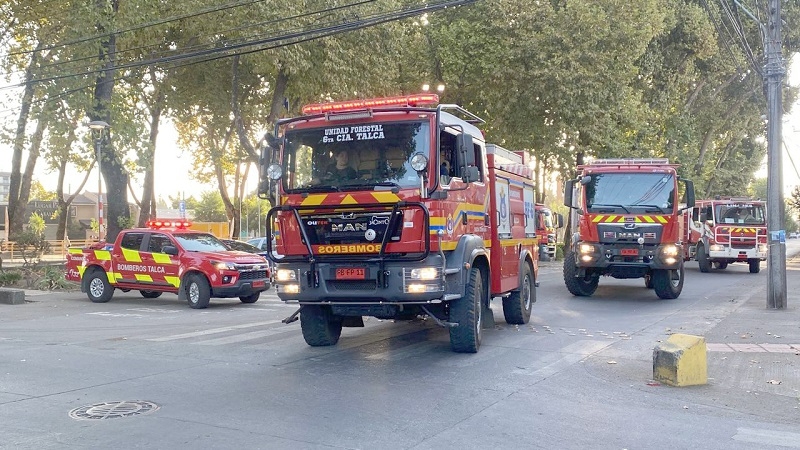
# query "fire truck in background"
(419, 217)
(724, 231)
(547, 224)
(628, 226)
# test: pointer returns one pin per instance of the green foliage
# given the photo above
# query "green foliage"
(31, 242)
(51, 278)
(9, 277)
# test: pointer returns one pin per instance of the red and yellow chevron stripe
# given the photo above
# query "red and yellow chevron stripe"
(618, 218)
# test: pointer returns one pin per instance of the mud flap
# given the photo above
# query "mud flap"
(487, 316)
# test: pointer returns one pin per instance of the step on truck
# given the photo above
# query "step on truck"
(726, 230)
(396, 208)
(628, 225)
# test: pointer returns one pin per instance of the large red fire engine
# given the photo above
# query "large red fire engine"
(397, 208)
(547, 223)
(724, 231)
(628, 226)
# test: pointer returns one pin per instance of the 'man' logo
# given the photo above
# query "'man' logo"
(343, 227)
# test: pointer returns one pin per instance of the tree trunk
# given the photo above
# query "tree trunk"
(116, 178)
(147, 208)
(16, 209)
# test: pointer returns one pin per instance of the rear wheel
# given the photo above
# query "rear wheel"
(517, 306)
(198, 292)
(98, 288)
(581, 286)
(668, 283)
(466, 312)
(755, 265)
(702, 259)
(252, 298)
(150, 294)
(320, 328)
(722, 265)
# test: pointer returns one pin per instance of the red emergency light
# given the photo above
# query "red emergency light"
(349, 105)
(167, 223)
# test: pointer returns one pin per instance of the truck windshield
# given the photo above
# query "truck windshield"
(630, 193)
(200, 242)
(342, 157)
(741, 213)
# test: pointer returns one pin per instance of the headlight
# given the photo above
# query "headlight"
(762, 248)
(221, 265)
(585, 248)
(419, 162)
(670, 250)
(274, 171)
(424, 273)
(716, 248)
(285, 275)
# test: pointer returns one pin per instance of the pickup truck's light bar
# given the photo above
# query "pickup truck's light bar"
(161, 223)
(349, 105)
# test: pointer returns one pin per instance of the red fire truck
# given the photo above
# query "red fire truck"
(167, 256)
(628, 225)
(396, 208)
(547, 223)
(724, 231)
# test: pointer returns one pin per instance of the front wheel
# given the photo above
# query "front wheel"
(198, 292)
(320, 328)
(517, 306)
(668, 283)
(98, 288)
(702, 259)
(252, 298)
(580, 286)
(755, 265)
(466, 312)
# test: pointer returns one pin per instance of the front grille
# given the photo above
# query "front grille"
(253, 275)
(352, 285)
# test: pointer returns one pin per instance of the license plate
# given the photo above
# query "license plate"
(629, 252)
(351, 273)
(259, 283)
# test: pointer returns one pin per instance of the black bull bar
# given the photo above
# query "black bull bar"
(311, 258)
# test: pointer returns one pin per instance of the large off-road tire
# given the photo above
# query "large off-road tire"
(517, 306)
(755, 265)
(150, 294)
(665, 285)
(252, 298)
(466, 312)
(198, 292)
(320, 327)
(579, 286)
(702, 259)
(98, 288)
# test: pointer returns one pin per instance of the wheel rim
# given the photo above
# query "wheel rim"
(526, 292)
(676, 282)
(96, 287)
(194, 293)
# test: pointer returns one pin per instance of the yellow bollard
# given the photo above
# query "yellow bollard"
(681, 361)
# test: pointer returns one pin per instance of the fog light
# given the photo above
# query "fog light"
(716, 248)
(289, 288)
(415, 288)
(670, 260)
(587, 258)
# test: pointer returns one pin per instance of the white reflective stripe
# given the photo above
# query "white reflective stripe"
(212, 331)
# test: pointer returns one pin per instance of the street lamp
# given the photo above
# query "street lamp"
(98, 128)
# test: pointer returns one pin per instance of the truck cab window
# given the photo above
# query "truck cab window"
(132, 241)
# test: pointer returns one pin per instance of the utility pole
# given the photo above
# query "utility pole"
(773, 74)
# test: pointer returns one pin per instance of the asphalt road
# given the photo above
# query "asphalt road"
(578, 376)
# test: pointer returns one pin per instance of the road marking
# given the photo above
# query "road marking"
(212, 331)
(242, 337)
(754, 348)
(768, 437)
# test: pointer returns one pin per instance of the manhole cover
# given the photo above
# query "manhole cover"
(113, 410)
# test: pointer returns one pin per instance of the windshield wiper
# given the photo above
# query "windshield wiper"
(658, 208)
(316, 188)
(600, 205)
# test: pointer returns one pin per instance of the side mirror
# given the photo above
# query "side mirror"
(170, 250)
(470, 174)
(559, 220)
(569, 187)
(690, 200)
(466, 150)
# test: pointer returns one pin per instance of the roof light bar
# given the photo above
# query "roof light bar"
(349, 105)
(166, 223)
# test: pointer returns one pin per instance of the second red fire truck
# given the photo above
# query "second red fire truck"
(397, 208)
(628, 225)
(722, 231)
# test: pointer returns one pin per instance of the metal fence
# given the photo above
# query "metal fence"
(56, 250)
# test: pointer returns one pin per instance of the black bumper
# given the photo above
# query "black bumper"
(241, 288)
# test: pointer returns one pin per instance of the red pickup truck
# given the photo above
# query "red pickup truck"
(168, 257)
